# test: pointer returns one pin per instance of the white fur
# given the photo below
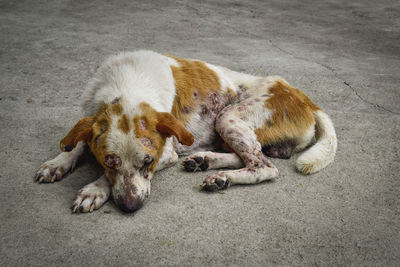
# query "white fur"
(224, 81)
(92, 196)
(169, 157)
(125, 145)
(323, 152)
(126, 75)
(304, 141)
(50, 171)
(238, 78)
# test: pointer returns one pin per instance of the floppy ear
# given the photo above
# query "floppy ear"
(82, 131)
(168, 125)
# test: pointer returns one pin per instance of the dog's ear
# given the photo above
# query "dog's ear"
(168, 125)
(82, 131)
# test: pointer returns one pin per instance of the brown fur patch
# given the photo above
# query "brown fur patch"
(116, 108)
(100, 130)
(193, 81)
(123, 124)
(149, 119)
(292, 114)
(82, 131)
(158, 126)
(168, 125)
(94, 131)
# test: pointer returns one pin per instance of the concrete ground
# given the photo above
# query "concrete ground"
(344, 54)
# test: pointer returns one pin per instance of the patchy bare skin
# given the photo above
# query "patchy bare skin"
(202, 124)
(255, 123)
(236, 126)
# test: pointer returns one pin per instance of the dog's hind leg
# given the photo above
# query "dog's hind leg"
(54, 169)
(209, 160)
(236, 127)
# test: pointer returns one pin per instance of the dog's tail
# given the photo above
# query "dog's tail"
(323, 151)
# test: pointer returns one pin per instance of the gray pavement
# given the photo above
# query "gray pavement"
(344, 54)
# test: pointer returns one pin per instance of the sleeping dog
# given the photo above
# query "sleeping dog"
(144, 109)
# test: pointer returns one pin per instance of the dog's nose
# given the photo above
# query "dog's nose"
(130, 204)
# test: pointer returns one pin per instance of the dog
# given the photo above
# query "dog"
(144, 109)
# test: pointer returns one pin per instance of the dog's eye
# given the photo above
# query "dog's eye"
(103, 128)
(147, 160)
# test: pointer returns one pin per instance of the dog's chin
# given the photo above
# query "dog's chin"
(130, 194)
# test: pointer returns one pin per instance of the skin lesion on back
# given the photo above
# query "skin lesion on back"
(193, 82)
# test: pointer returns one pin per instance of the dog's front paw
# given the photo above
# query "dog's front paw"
(215, 182)
(196, 163)
(53, 170)
(91, 198)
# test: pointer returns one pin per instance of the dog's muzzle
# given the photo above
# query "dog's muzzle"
(130, 191)
(129, 203)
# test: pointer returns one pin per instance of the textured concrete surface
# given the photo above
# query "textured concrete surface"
(344, 54)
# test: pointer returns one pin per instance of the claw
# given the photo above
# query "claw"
(76, 205)
(91, 207)
(42, 168)
(37, 176)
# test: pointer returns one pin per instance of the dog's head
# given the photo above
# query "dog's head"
(128, 144)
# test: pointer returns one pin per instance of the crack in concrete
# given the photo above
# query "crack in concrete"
(337, 76)
(368, 102)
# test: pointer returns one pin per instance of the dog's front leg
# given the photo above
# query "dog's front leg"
(169, 157)
(54, 169)
(92, 196)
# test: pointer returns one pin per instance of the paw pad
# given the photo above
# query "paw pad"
(196, 164)
(214, 184)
